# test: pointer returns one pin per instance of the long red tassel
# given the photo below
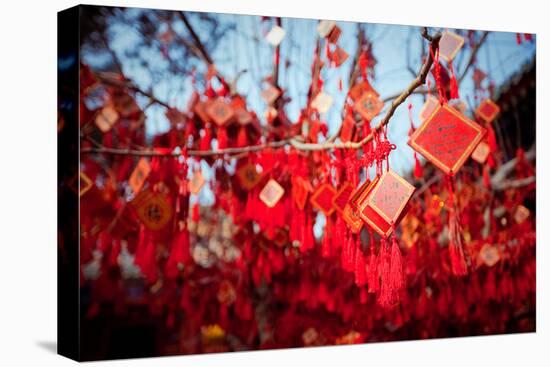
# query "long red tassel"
(396, 268)
(459, 266)
(418, 170)
(385, 299)
(373, 279)
(242, 138)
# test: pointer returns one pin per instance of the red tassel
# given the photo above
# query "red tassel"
(326, 240)
(360, 266)
(492, 139)
(418, 171)
(453, 83)
(518, 38)
(206, 139)
(222, 138)
(242, 138)
(195, 216)
(373, 279)
(456, 251)
(179, 254)
(396, 268)
(340, 85)
(385, 298)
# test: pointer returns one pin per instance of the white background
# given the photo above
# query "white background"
(28, 183)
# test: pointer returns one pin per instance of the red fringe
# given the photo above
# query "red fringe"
(453, 83)
(206, 139)
(242, 138)
(222, 138)
(418, 170)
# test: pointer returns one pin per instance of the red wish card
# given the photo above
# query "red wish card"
(152, 209)
(449, 45)
(300, 190)
(322, 199)
(428, 108)
(447, 138)
(340, 200)
(248, 176)
(481, 152)
(369, 105)
(488, 110)
(346, 132)
(385, 204)
(220, 112)
(139, 175)
(353, 221)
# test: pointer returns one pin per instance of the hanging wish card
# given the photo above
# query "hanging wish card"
(325, 27)
(270, 94)
(220, 112)
(447, 138)
(488, 255)
(449, 45)
(358, 197)
(488, 110)
(385, 204)
(106, 118)
(152, 209)
(359, 89)
(271, 193)
(346, 132)
(369, 105)
(248, 176)
(341, 198)
(322, 199)
(353, 221)
(139, 175)
(300, 190)
(481, 152)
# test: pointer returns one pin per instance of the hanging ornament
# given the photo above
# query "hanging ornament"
(300, 190)
(346, 131)
(521, 214)
(106, 118)
(85, 184)
(488, 110)
(270, 94)
(275, 35)
(153, 209)
(220, 112)
(447, 139)
(322, 199)
(384, 206)
(428, 108)
(488, 255)
(322, 102)
(449, 45)
(139, 175)
(340, 199)
(325, 27)
(248, 176)
(271, 193)
(369, 106)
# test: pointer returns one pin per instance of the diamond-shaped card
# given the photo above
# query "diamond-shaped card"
(300, 190)
(139, 175)
(354, 222)
(447, 138)
(488, 110)
(322, 102)
(106, 118)
(369, 105)
(449, 45)
(85, 184)
(521, 214)
(386, 203)
(489, 255)
(341, 198)
(248, 176)
(275, 35)
(339, 56)
(271, 193)
(359, 89)
(152, 209)
(481, 152)
(322, 199)
(346, 132)
(220, 112)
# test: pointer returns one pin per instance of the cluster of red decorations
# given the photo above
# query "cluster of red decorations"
(453, 258)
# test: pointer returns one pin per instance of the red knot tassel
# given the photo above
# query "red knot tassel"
(456, 251)
(373, 279)
(418, 170)
(242, 139)
(396, 268)
(453, 83)
(386, 298)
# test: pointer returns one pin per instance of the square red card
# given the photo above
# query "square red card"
(196, 183)
(139, 175)
(270, 94)
(200, 111)
(300, 190)
(346, 132)
(359, 89)
(358, 197)
(322, 199)
(220, 112)
(385, 204)
(488, 110)
(449, 45)
(369, 105)
(85, 184)
(152, 209)
(339, 56)
(447, 138)
(340, 200)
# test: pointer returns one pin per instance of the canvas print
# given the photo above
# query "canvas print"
(243, 182)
